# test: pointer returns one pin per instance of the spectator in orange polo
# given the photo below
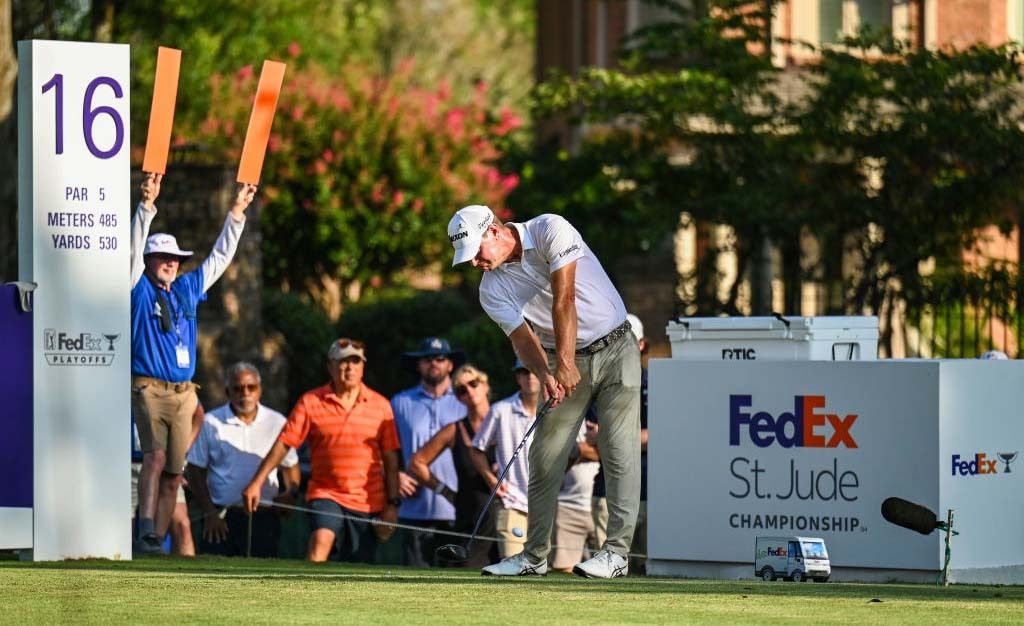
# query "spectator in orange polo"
(354, 451)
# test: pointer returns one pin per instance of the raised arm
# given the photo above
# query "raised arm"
(141, 221)
(227, 243)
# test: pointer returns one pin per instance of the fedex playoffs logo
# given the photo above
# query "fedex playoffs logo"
(979, 464)
(809, 425)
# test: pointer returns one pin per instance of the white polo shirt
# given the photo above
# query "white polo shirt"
(504, 427)
(232, 451)
(520, 291)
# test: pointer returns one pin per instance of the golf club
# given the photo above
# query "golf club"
(454, 554)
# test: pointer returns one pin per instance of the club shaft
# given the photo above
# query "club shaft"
(479, 520)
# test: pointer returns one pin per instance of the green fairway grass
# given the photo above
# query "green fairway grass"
(220, 590)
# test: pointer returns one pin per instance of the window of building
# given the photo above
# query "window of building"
(846, 17)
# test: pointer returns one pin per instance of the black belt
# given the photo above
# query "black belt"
(603, 342)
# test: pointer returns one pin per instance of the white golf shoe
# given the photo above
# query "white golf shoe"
(604, 564)
(517, 565)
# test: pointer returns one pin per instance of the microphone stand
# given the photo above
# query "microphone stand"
(949, 536)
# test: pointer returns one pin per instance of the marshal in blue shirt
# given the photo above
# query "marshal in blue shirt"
(155, 352)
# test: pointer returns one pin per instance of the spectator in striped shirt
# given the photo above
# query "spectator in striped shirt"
(354, 450)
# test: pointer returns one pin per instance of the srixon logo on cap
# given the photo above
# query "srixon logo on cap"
(459, 235)
(808, 426)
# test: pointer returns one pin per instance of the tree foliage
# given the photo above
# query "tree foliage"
(889, 155)
(363, 171)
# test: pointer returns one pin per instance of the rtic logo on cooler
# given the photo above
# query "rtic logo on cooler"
(980, 464)
(61, 348)
(805, 427)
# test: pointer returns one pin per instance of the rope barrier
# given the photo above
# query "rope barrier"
(398, 525)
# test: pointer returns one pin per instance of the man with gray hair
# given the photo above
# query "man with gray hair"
(231, 444)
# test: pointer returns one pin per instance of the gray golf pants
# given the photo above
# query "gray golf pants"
(610, 379)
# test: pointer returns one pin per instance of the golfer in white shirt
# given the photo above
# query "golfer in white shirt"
(567, 323)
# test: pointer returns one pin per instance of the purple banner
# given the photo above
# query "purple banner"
(15, 401)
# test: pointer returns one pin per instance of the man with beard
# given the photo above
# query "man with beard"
(420, 412)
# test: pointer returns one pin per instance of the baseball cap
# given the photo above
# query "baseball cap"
(162, 243)
(344, 348)
(636, 325)
(465, 230)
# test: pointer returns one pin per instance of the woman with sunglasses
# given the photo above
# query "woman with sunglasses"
(472, 389)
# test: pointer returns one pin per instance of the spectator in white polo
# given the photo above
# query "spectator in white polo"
(504, 427)
(232, 442)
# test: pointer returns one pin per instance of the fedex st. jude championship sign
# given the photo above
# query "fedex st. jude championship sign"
(755, 449)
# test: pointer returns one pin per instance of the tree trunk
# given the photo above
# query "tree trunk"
(792, 278)
(102, 20)
(761, 275)
(8, 147)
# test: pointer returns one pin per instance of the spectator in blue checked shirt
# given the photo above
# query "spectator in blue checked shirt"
(420, 412)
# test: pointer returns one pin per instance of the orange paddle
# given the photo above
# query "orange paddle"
(161, 112)
(255, 147)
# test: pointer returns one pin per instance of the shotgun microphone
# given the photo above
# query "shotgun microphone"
(909, 515)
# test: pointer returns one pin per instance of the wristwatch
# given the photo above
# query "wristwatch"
(445, 492)
(395, 501)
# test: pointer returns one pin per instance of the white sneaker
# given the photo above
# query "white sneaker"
(516, 565)
(604, 564)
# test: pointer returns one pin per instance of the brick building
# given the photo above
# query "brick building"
(572, 34)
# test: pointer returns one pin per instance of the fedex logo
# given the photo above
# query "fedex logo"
(771, 552)
(805, 427)
(979, 465)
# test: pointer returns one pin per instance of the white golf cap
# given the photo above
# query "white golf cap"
(465, 230)
(162, 243)
(635, 325)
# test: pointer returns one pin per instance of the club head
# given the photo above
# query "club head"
(451, 554)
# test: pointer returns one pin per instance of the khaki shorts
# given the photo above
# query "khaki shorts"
(572, 527)
(506, 520)
(163, 414)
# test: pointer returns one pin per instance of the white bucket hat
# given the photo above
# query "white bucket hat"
(465, 230)
(162, 243)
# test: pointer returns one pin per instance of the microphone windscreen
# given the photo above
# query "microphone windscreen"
(909, 515)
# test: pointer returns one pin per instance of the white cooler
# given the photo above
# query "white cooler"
(775, 338)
